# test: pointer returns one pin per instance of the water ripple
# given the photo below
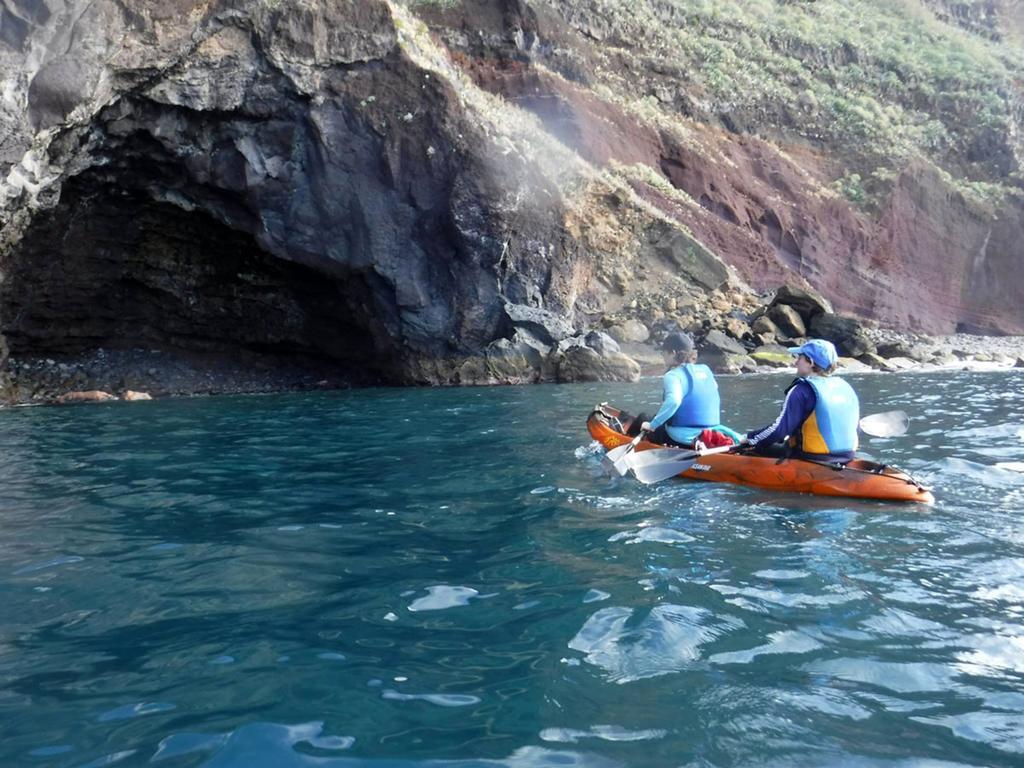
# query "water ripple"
(667, 639)
(472, 590)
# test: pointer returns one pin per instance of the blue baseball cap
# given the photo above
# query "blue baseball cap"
(820, 352)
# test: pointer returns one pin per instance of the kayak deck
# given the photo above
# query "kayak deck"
(860, 478)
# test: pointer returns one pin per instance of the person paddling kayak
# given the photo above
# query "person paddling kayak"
(820, 413)
(691, 404)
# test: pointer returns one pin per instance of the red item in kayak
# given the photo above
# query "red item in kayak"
(712, 439)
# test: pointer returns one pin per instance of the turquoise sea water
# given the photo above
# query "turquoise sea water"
(445, 577)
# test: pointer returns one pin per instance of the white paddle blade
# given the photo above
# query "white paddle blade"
(655, 472)
(617, 453)
(617, 459)
(662, 463)
(888, 424)
(657, 456)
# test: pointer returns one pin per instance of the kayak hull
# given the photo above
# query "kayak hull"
(859, 479)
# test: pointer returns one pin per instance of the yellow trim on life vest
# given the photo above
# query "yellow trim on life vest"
(813, 440)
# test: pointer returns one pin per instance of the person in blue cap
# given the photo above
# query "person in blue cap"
(820, 413)
(690, 402)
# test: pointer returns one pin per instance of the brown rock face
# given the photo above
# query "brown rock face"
(931, 261)
(953, 260)
(928, 260)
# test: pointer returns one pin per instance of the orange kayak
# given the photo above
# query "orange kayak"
(859, 479)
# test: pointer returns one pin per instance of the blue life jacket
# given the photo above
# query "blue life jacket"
(701, 404)
(832, 427)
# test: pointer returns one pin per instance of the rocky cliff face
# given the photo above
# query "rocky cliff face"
(925, 255)
(453, 195)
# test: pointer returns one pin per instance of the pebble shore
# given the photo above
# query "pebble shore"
(37, 381)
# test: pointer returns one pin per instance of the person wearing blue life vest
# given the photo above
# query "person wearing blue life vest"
(690, 403)
(820, 413)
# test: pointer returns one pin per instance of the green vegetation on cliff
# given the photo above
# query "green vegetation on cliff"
(878, 81)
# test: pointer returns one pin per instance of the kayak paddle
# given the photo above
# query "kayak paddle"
(616, 460)
(658, 464)
(887, 424)
(668, 462)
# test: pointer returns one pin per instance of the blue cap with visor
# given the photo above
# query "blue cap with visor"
(820, 352)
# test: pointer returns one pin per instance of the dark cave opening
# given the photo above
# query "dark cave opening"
(112, 269)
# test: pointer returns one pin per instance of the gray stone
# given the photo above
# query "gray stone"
(746, 364)
(728, 362)
(788, 320)
(718, 341)
(601, 343)
(807, 302)
(895, 349)
(763, 326)
(773, 356)
(737, 328)
(847, 333)
(877, 362)
(852, 365)
(685, 256)
(545, 326)
(920, 352)
(518, 360)
(902, 363)
(629, 330)
(582, 364)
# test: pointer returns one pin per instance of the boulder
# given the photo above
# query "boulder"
(894, 349)
(89, 396)
(877, 362)
(737, 328)
(764, 326)
(902, 363)
(629, 330)
(506, 361)
(808, 303)
(847, 333)
(788, 320)
(941, 359)
(773, 356)
(920, 352)
(546, 326)
(601, 343)
(685, 256)
(716, 341)
(583, 363)
(728, 362)
(852, 365)
(746, 364)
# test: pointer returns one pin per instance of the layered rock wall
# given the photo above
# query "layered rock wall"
(345, 182)
(222, 175)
